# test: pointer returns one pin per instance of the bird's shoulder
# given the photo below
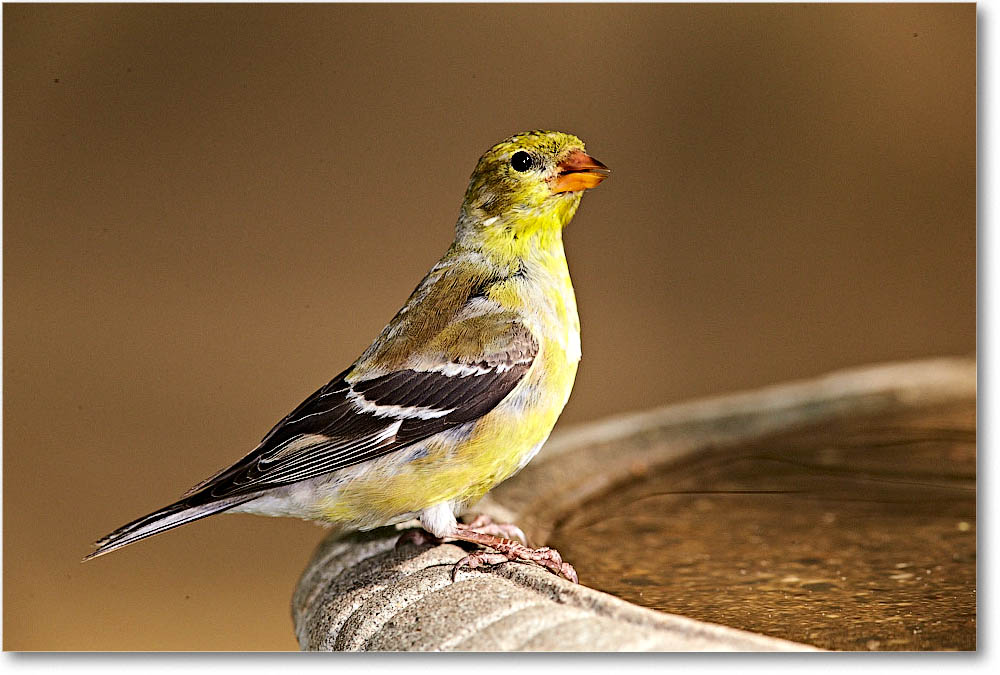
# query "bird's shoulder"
(451, 317)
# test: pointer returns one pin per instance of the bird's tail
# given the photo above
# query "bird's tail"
(164, 519)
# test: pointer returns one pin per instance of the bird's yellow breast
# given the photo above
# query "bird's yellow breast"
(504, 440)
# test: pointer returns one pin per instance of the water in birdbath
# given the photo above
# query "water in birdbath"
(857, 534)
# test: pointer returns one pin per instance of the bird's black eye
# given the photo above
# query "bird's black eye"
(521, 161)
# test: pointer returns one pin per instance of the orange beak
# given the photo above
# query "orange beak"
(579, 171)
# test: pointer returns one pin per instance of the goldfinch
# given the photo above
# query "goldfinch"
(457, 393)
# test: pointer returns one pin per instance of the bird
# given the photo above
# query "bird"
(458, 392)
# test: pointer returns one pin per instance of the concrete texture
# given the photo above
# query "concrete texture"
(360, 593)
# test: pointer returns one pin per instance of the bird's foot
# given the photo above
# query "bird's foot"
(417, 536)
(485, 525)
(509, 551)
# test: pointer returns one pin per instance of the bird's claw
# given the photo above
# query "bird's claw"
(485, 525)
(478, 559)
(509, 551)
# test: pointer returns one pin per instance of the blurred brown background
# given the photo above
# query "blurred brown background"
(210, 210)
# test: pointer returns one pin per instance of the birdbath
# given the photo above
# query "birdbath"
(834, 513)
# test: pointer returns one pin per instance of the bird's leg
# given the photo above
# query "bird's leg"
(507, 550)
(417, 536)
(485, 525)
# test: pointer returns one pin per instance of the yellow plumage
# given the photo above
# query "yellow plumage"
(463, 470)
(459, 390)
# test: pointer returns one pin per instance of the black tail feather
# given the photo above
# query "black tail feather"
(167, 518)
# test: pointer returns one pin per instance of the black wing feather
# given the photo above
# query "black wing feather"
(346, 435)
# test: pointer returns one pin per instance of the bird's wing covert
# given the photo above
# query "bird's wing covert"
(353, 420)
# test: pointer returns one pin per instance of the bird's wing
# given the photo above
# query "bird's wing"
(356, 418)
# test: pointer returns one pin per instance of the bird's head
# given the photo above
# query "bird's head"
(533, 180)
